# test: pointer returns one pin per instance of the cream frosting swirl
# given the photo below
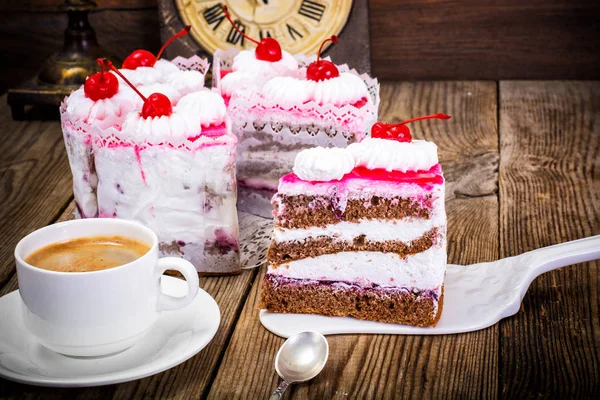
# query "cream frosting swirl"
(323, 164)
(344, 89)
(186, 81)
(142, 75)
(391, 155)
(194, 110)
(246, 61)
(103, 113)
(172, 93)
(287, 91)
(239, 81)
(166, 67)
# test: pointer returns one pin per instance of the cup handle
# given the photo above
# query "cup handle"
(166, 302)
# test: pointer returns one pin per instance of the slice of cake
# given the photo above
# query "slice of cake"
(361, 232)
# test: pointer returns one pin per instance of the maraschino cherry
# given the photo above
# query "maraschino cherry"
(400, 131)
(155, 105)
(321, 70)
(268, 49)
(143, 58)
(101, 85)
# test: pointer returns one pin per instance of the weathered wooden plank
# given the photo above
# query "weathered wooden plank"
(485, 39)
(550, 193)
(36, 180)
(191, 379)
(379, 366)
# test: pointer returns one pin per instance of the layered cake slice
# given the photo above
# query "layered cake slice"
(361, 232)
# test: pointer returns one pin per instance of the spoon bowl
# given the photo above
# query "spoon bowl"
(301, 357)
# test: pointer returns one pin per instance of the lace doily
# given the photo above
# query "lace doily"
(194, 63)
(255, 237)
(113, 137)
(250, 111)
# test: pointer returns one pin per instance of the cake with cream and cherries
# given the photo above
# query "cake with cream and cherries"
(361, 232)
(172, 168)
(276, 116)
(104, 101)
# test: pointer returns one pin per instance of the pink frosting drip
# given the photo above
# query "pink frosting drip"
(424, 179)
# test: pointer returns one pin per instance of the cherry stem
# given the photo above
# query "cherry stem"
(434, 116)
(99, 61)
(228, 16)
(181, 33)
(110, 66)
(333, 39)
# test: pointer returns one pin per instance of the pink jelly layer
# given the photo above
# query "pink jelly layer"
(424, 179)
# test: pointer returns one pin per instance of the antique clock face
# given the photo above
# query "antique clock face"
(299, 25)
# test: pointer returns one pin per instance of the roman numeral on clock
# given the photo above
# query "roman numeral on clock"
(264, 34)
(312, 9)
(214, 15)
(234, 36)
(293, 32)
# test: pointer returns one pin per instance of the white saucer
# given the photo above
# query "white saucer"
(176, 336)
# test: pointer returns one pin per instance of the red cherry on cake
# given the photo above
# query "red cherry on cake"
(268, 49)
(101, 85)
(155, 105)
(321, 70)
(399, 132)
(143, 58)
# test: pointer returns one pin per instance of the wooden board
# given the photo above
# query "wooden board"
(378, 366)
(550, 193)
(36, 181)
(485, 39)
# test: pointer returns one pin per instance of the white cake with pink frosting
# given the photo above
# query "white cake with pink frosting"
(176, 175)
(161, 153)
(80, 112)
(361, 232)
(279, 108)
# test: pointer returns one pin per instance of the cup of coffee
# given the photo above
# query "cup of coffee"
(91, 287)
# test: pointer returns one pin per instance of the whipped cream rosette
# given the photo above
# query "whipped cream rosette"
(175, 174)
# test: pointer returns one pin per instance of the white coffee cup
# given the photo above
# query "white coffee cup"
(99, 312)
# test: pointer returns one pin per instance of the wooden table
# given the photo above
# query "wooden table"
(522, 161)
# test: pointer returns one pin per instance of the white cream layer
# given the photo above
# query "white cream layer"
(391, 155)
(405, 230)
(425, 270)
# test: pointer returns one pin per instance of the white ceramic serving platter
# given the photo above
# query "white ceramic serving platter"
(176, 336)
(475, 296)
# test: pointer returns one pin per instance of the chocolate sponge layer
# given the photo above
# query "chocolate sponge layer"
(306, 211)
(335, 299)
(282, 252)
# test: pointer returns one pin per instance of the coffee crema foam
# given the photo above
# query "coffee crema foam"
(88, 254)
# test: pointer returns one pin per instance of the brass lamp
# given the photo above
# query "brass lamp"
(66, 70)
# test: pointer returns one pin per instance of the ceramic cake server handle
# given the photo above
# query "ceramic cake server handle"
(534, 263)
(168, 303)
(561, 255)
